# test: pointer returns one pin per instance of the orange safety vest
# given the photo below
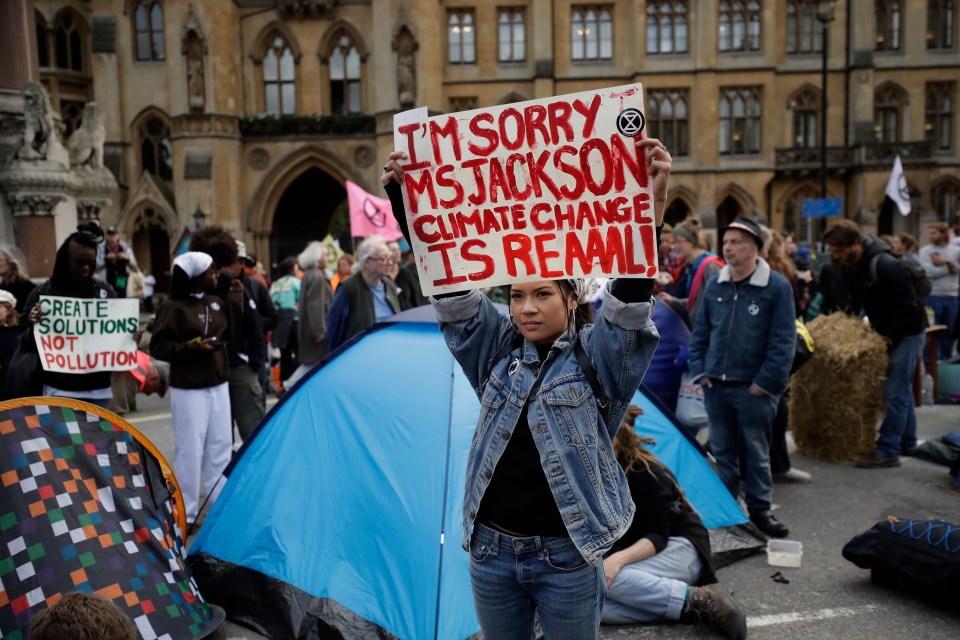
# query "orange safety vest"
(140, 371)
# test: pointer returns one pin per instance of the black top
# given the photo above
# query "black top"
(662, 512)
(519, 499)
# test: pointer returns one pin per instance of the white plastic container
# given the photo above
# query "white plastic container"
(784, 553)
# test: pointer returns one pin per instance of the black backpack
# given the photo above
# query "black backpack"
(922, 284)
(919, 556)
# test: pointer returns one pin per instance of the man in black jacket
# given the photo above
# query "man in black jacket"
(878, 283)
(246, 351)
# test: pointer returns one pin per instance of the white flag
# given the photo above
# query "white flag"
(897, 187)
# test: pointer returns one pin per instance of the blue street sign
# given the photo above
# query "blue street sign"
(822, 207)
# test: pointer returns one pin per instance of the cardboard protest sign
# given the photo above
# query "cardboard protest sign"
(550, 188)
(83, 335)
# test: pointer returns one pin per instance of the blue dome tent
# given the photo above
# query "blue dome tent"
(342, 514)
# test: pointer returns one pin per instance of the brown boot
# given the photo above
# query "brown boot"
(715, 608)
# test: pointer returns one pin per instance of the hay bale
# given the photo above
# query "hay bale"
(837, 397)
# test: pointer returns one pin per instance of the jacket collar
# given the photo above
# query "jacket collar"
(759, 278)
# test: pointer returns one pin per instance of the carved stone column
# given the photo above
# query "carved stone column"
(18, 46)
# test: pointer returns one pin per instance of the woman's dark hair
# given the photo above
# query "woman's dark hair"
(632, 453)
(584, 311)
(287, 266)
(216, 242)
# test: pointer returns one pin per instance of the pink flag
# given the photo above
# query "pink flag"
(370, 215)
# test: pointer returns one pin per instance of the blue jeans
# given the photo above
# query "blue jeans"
(944, 312)
(737, 416)
(654, 589)
(899, 427)
(515, 577)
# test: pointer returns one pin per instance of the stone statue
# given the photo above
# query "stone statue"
(40, 131)
(406, 73)
(86, 143)
(196, 98)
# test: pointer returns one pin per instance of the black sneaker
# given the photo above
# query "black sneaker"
(715, 608)
(767, 523)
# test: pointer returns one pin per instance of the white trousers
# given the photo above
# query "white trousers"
(203, 442)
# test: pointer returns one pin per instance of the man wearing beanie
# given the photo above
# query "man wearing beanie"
(191, 332)
(742, 347)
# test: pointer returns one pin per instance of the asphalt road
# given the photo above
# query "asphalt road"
(827, 597)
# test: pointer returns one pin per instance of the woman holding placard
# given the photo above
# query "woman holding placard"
(545, 497)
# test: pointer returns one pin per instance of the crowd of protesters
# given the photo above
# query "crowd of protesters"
(225, 327)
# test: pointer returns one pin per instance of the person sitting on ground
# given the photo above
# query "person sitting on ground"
(82, 616)
(661, 569)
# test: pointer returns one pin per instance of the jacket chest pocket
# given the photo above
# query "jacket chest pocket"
(491, 401)
(573, 409)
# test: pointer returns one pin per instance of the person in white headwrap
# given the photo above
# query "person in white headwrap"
(191, 332)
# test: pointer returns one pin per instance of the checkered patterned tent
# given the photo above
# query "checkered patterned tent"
(89, 504)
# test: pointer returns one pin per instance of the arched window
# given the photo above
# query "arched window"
(279, 78)
(43, 40)
(806, 119)
(888, 102)
(512, 35)
(461, 37)
(591, 33)
(888, 25)
(667, 27)
(156, 152)
(740, 120)
(345, 94)
(803, 34)
(945, 197)
(938, 127)
(940, 24)
(739, 25)
(148, 24)
(668, 119)
(69, 43)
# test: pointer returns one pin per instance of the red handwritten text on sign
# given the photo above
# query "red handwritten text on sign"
(544, 189)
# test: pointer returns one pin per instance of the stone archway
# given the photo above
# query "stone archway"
(295, 202)
(304, 213)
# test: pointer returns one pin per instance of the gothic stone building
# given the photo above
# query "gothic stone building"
(255, 112)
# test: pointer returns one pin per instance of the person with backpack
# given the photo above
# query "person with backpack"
(882, 285)
(700, 266)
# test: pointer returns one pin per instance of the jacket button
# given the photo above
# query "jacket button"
(473, 515)
(506, 435)
(487, 475)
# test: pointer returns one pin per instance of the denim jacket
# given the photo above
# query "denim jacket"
(574, 441)
(746, 336)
